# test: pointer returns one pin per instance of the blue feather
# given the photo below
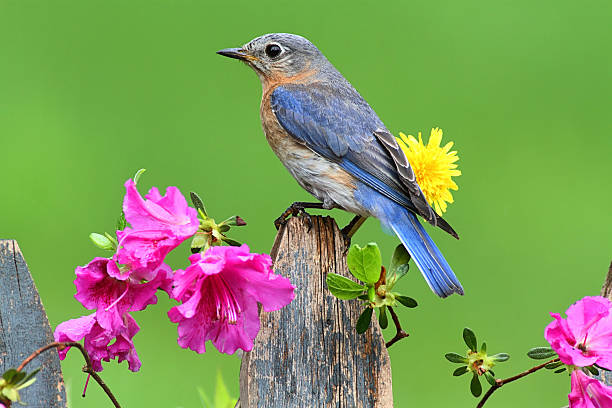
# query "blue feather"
(436, 271)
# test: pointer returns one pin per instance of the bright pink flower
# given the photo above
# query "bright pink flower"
(157, 226)
(588, 392)
(113, 298)
(219, 292)
(585, 337)
(97, 340)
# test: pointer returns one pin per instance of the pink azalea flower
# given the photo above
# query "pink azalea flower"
(219, 292)
(158, 225)
(113, 298)
(585, 337)
(97, 340)
(588, 392)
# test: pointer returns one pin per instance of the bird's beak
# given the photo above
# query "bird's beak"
(237, 53)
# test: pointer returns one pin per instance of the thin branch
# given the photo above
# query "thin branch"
(500, 383)
(400, 334)
(86, 369)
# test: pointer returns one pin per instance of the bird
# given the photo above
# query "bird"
(337, 148)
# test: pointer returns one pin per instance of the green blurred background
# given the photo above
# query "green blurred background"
(91, 91)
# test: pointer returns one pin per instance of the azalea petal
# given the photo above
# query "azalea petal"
(578, 397)
(585, 313)
(73, 330)
(231, 337)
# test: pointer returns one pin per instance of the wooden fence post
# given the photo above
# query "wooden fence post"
(24, 327)
(308, 354)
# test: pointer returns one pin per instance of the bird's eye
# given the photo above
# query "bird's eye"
(273, 50)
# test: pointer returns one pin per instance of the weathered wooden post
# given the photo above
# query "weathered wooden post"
(308, 354)
(24, 327)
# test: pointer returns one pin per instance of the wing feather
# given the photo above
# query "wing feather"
(339, 125)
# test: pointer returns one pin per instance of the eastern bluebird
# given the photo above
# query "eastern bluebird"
(337, 148)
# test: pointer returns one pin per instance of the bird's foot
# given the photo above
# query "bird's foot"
(350, 230)
(296, 209)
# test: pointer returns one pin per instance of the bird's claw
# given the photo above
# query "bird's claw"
(294, 210)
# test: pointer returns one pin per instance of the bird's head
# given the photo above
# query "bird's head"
(275, 57)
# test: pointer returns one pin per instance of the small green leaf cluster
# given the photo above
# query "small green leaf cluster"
(210, 233)
(365, 264)
(12, 381)
(476, 361)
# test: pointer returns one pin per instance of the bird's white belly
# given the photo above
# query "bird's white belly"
(325, 180)
(322, 178)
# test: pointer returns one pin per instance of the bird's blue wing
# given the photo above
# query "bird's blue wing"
(338, 124)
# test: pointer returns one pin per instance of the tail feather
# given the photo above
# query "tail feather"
(436, 271)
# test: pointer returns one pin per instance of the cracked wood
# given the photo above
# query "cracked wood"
(24, 327)
(308, 354)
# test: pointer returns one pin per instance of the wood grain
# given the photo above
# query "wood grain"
(308, 354)
(24, 327)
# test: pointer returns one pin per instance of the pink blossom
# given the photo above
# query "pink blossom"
(97, 340)
(588, 392)
(219, 292)
(158, 225)
(113, 298)
(585, 337)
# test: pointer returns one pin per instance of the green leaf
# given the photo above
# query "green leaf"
(231, 242)
(560, 370)
(475, 386)
(204, 398)
(20, 375)
(541, 353)
(552, 366)
(198, 242)
(26, 384)
(470, 339)
(11, 393)
(343, 288)
(591, 369)
(399, 264)
(101, 241)
(371, 293)
(400, 272)
(483, 348)
(9, 374)
(456, 358)
(138, 174)
(406, 301)
(31, 374)
(489, 377)
(500, 357)
(460, 371)
(382, 317)
(121, 222)
(364, 320)
(222, 397)
(197, 202)
(365, 263)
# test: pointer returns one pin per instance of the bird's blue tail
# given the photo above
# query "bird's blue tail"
(436, 271)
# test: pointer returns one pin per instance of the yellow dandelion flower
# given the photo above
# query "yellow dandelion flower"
(434, 167)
